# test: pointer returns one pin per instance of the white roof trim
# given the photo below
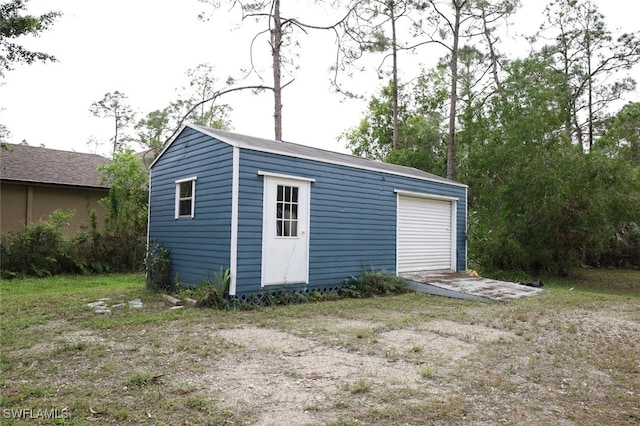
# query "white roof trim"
(187, 179)
(281, 176)
(167, 146)
(424, 195)
(240, 144)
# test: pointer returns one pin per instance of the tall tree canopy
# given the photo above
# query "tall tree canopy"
(115, 105)
(421, 136)
(621, 136)
(552, 168)
(592, 60)
(14, 23)
(196, 103)
(280, 31)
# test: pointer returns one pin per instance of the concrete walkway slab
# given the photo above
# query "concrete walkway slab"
(452, 284)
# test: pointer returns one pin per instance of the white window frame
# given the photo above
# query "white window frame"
(193, 180)
(284, 223)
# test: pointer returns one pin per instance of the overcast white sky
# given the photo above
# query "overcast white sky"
(144, 47)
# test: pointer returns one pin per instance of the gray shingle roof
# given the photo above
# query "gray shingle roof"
(303, 151)
(24, 163)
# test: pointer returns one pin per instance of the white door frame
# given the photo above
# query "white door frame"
(285, 260)
(454, 221)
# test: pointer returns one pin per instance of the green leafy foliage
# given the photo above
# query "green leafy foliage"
(91, 254)
(623, 249)
(13, 24)
(420, 138)
(126, 220)
(158, 267)
(538, 203)
(120, 245)
(214, 294)
(373, 282)
(197, 103)
(621, 137)
(39, 249)
(115, 105)
(590, 58)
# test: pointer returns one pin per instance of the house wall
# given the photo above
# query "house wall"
(198, 247)
(26, 204)
(352, 224)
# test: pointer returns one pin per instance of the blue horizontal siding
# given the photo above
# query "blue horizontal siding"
(198, 247)
(352, 218)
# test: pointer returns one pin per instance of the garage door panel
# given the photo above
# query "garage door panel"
(425, 234)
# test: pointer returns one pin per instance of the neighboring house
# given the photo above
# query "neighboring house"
(36, 181)
(278, 213)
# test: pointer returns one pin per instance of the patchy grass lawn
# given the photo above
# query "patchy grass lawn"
(571, 356)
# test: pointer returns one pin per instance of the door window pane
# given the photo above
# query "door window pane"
(287, 211)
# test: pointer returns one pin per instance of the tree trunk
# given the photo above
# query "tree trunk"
(115, 137)
(454, 91)
(590, 94)
(276, 43)
(492, 52)
(566, 69)
(395, 77)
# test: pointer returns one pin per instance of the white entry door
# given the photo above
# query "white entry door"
(285, 231)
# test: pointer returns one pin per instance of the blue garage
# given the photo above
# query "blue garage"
(281, 214)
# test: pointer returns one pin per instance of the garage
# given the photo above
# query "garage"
(425, 232)
(288, 217)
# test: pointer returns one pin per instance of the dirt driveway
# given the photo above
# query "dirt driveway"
(559, 358)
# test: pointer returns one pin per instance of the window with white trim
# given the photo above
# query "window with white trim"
(185, 197)
(287, 211)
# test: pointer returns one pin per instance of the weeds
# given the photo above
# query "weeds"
(588, 375)
(198, 403)
(215, 294)
(139, 380)
(361, 386)
(71, 347)
(374, 282)
(428, 372)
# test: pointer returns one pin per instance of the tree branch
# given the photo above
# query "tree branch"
(213, 97)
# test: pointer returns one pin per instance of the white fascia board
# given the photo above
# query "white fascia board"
(424, 195)
(347, 164)
(283, 176)
(167, 146)
(321, 160)
(186, 179)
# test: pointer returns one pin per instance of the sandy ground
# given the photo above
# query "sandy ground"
(487, 364)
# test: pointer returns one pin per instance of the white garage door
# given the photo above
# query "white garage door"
(426, 234)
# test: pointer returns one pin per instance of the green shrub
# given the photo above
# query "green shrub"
(42, 249)
(91, 254)
(214, 294)
(39, 249)
(374, 282)
(623, 249)
(158, 268)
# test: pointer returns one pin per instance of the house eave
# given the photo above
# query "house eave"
(246, 146)
(50, 184)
